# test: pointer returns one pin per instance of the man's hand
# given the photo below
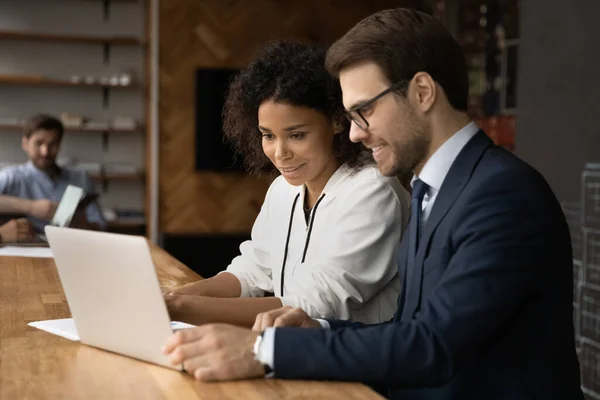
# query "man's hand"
(16, 230)
(215, 352)
(42, 209)
(284, 316)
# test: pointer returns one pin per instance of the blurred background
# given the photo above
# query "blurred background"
(139, 85)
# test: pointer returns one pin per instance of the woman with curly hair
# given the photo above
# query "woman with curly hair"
(326, 237)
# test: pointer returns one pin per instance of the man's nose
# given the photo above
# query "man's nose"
(357, 134)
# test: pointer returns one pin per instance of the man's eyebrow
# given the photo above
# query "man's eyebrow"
(357, 104)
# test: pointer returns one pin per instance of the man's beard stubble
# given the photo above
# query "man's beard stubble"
(411, 150)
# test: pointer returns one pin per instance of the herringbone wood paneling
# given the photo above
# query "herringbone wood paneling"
(220, 33)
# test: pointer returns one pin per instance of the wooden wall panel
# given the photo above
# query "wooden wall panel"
(219, 33)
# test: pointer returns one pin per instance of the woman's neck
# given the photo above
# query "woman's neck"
(315, 187)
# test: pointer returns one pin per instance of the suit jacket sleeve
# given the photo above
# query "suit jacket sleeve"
(500, 243)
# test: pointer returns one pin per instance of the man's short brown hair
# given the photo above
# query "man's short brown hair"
(43, 122)
(403, 42)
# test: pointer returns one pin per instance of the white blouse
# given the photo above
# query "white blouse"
(342, 263)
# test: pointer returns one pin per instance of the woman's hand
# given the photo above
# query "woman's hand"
(193, 288)
(282, 317)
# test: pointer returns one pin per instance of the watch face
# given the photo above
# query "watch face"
(256, 347)
(256, 351)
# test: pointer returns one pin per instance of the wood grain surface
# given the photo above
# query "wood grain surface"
(38, 365)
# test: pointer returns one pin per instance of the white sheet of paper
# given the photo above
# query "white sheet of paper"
(61, 327)
(66, 327)
(25, 251)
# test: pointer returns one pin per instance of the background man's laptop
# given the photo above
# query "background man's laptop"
(66, 208)
(113, 292)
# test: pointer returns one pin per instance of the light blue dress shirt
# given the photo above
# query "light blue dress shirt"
(28, 182)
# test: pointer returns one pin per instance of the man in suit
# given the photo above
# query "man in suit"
(486, 306)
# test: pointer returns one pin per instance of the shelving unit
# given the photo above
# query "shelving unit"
(106, 41)
(111, 176)
(116, 48)
(69, 38)
(136, 228)
(32, 80)
(110, 131)
(106, 5)
(106, 1)
(42, 81)
(125, 224)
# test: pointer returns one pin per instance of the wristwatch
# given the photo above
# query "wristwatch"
(256, 351)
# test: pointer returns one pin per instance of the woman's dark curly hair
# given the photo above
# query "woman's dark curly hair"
(290, 72)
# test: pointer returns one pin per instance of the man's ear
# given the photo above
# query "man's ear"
(24, 143)
(424, 91)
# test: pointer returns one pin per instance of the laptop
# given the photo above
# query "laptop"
(113, 292)
(66, 208)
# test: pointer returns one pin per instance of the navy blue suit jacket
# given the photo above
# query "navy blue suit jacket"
(494, 319)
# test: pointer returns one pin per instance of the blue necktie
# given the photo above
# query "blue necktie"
(418, 191)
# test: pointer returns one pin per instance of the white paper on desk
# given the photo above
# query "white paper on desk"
(66, 327)
(25, 251)
(61, 327)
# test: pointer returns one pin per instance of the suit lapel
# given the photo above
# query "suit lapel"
(453, 184)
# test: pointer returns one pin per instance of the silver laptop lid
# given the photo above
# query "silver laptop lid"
(113, 292)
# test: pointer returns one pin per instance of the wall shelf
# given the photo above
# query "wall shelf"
(127, 227)
(32, 80)
(104, 1)
(109, 131)
(70, 38)
(111, 176)
(41, 81)
(122, 47)
(117, 224)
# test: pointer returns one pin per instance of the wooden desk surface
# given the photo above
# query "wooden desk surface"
(38, 365)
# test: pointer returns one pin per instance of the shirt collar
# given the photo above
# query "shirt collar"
(436, 168)
(330, 186)
(34, 170)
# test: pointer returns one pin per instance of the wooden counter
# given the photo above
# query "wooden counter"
(39, 365)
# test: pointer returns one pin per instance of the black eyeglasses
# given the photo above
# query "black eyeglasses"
(354, 114)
